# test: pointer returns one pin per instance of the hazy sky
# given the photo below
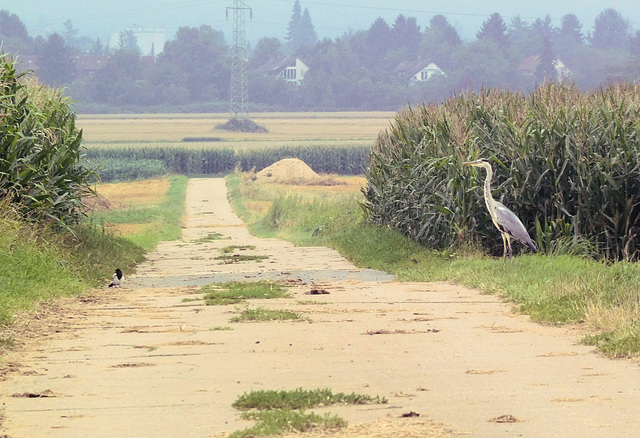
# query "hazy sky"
(331, 18)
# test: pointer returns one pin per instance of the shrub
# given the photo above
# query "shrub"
(40, 169)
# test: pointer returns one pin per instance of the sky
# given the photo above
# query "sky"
(331, 18)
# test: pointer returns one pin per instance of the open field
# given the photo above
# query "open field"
(285, 129)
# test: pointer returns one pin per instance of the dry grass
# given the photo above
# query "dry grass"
(284, 128)
(139, 193)
(259, 196)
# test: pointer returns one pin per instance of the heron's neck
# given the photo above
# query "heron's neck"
(487, 188)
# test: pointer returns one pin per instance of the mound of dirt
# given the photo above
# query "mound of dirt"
(288, 171)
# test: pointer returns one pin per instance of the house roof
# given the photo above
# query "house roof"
(276, 65)
(411, 68)
(90, 62)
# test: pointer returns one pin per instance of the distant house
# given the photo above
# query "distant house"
(530, 64)
(86, 65)
(288, 68)
(27, 63)
(417, 71)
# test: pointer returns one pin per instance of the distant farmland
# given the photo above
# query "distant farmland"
(141, 146)
(285, 129)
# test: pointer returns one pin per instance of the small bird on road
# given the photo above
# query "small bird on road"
(117, 279)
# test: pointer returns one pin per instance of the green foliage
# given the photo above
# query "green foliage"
(40, 168)
(567, 163)
(278, 412)
(301, 399)
(236, 292)
(164, 220)
(118, 169)
(264, 314)
(122, 163)
(281, 421)
(38, 263)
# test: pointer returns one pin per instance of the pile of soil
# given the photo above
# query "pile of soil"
(294, 171)
(287, 171)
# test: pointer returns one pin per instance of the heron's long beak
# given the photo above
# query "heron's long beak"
(472, 163)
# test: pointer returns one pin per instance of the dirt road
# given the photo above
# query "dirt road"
(141, 362)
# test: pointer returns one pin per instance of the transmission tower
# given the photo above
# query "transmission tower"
(239, 86)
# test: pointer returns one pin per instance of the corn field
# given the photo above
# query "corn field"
(40, 170)
(566, 162)
(125, 163)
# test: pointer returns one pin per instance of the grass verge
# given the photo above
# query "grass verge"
(157, 222)
(277, 412)
(40, 264)
(557, 289)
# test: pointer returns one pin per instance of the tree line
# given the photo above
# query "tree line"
(356, 71)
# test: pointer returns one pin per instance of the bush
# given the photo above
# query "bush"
(567, 163)
(40, 169)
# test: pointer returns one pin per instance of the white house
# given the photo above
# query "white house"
(530, 64)
(150, 40)
(289, 68)
(417, 71)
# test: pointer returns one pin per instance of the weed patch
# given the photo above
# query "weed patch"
(277, 412)
(301, 399)
(236, 292)
(261, 314)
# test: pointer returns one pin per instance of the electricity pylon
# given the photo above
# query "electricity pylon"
(239, 86)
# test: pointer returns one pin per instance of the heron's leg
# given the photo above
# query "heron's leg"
(504, 243)
(509, 243)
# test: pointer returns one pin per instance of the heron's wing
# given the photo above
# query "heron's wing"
(509, 223)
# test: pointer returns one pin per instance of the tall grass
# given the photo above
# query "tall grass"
(39, 264)
(567, 163)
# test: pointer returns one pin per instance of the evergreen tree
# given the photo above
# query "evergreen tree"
(546, 68)
(55, 60)
(570, 31)
(127, 41)
(300, 31)
(440, 31)
(293, 29)
(439, 41)
(406, 35)
(611, 31)
(308, 36)
(519, 35)
(494, 29)
(13, 34)
(70, 33)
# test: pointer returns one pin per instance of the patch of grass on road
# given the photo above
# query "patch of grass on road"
(238, 291)
(301, 399)
(278, 412)
(282, 421)
(261, 314)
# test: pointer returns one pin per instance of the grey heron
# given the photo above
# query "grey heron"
(504, 219)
